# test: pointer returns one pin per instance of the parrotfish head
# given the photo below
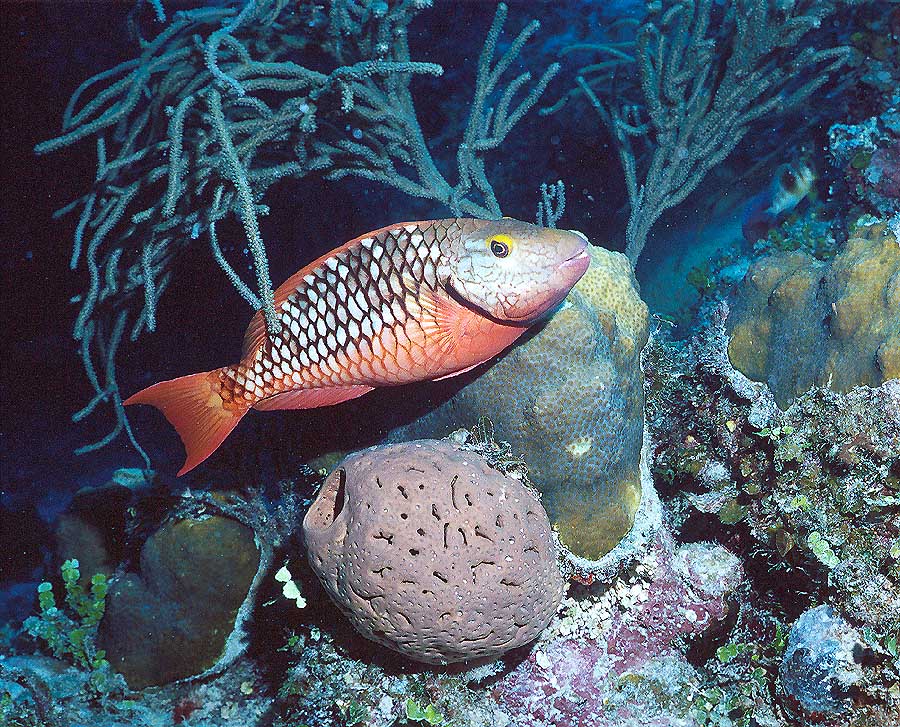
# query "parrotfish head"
(515, 271)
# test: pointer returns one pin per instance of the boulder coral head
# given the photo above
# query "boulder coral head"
(569, 400)
(822, 661)
(432, 553)
(798, 323)
(179, 617)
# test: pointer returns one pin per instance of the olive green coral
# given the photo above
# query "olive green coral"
(798, 322)
(174, 620)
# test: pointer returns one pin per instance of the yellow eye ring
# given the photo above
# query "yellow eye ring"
(500, 245)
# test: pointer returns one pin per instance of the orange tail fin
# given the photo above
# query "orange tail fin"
(193, 405)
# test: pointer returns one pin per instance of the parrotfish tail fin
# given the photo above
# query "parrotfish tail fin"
(194, 406)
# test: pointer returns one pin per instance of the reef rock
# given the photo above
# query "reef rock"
(822, 661)
(867, 154)
(433, 553)
(92, 529)
(569, 399)
(814, 486)
(798, 322)
(616, 657)
(175, 619)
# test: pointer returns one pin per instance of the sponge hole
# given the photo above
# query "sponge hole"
(330, 501)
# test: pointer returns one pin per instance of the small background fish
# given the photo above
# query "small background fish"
(410, 302)
(791, 184)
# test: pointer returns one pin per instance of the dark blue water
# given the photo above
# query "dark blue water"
(49, 48)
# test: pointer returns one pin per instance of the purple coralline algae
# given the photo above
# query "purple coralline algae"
(611, 657)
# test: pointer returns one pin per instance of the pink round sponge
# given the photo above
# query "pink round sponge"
(431, 552)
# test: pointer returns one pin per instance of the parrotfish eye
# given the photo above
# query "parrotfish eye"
(500, 245)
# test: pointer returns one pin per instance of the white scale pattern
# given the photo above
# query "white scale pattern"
(332, 320)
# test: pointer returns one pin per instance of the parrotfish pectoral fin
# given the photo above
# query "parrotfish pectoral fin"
(442, 320)
(193, 406)
(311, 398)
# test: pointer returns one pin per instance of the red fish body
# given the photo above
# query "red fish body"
(410, 302)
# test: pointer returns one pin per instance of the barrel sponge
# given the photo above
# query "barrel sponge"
(569, 399)
(431, 552)
(797, 322)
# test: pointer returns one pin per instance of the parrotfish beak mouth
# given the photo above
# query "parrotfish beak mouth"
(577, 265)
(582, 254)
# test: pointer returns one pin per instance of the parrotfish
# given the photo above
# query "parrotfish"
(410, 302)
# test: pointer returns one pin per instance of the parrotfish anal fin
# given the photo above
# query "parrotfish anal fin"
(460, 372)
(311, 398)
(194, 407)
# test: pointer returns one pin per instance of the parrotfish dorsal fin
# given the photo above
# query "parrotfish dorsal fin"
(255, 335)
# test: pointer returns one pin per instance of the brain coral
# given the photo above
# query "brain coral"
(569, 399)
(433, 553)
(798, 322)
